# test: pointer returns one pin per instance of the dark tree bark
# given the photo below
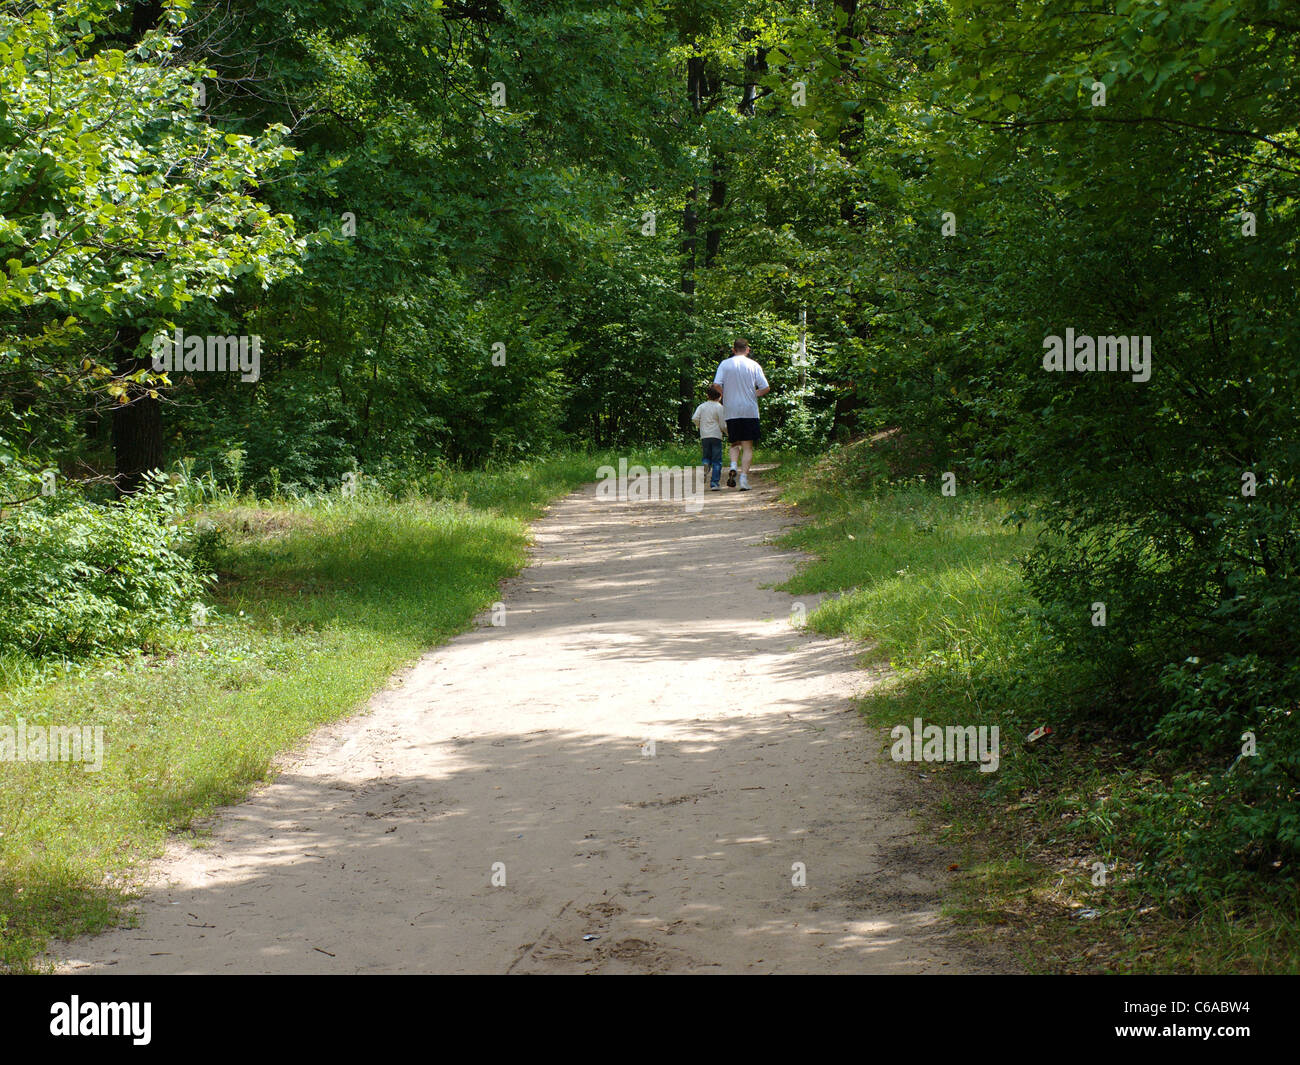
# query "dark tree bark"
(852, 127)
(755, 67)
(137, 423)
(696, 82)
(690, 227)
(144, 17)
(717, 200)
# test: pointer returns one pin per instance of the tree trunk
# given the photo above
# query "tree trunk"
(713, 226)
(137, 423)
(852, 127)
(685, 383)
(755, 67)
(144, 18)
(695, 82)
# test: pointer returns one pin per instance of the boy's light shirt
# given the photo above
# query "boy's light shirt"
(710, 417)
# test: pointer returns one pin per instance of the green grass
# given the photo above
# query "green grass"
(922, 575)
(320, 601)
(930, 584)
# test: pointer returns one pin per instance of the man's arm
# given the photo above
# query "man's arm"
(762, 391)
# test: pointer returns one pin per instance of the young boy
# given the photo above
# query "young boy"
(709, 417)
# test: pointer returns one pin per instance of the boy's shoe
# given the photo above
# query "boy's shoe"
(731, 478)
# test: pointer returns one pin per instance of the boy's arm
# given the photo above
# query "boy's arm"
(695, 418)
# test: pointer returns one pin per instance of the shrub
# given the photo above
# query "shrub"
(78, 577)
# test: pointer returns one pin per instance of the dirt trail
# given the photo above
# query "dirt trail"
(527, 745)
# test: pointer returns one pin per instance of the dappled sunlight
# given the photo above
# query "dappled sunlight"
(653, 758)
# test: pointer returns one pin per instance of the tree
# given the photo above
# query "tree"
(119, 207)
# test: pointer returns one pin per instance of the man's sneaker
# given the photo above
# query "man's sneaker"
(731, 478)
(744, 483)
(715, 488)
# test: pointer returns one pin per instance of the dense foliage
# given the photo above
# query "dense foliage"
(77, 578)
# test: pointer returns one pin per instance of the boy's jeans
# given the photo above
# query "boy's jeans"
(712, 447)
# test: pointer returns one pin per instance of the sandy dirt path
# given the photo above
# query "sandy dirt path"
(528, 745)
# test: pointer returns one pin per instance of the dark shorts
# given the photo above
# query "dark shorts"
(742, 429)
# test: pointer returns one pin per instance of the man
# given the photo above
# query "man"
(742, 382)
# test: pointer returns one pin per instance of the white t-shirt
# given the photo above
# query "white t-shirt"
(740, 376)
(708, 416)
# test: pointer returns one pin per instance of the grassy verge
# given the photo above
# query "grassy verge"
(319, 601)
(931, 584)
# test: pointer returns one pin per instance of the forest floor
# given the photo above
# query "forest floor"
(632, 774)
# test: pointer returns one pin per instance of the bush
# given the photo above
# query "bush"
(79, 577)
(798, 428)
(1240, 712)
